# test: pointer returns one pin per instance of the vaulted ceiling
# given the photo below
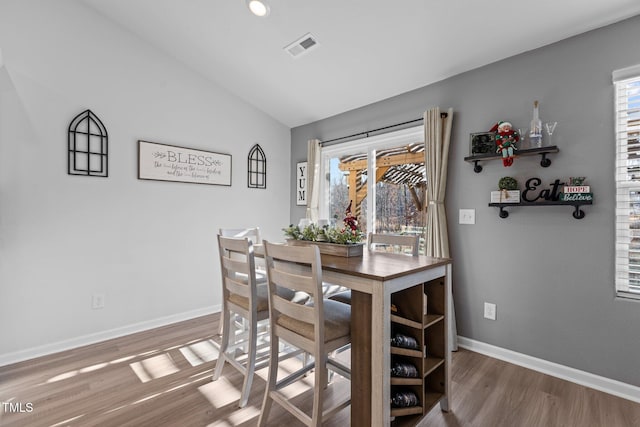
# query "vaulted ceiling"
(368, 50)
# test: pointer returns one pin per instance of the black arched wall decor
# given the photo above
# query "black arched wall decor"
(257, 168)
(88, 146)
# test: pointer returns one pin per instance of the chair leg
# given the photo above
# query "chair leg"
(319, 386)
(220, 328)
(223, 345)
(330, 373)
(271, 381)
(251, 362)
(305, 360)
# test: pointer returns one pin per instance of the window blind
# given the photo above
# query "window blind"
(627, 104)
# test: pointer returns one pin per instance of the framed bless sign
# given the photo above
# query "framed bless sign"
(162, 162)
(301, 183)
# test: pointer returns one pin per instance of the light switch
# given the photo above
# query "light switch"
(467, 216)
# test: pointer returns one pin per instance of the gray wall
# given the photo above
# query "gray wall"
(551, 276)
(148, 246)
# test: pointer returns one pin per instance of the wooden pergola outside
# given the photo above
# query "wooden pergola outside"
(399, 166)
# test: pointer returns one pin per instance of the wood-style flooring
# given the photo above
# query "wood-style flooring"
(162, 377)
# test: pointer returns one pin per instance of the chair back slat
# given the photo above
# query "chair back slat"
(410, 241)
(240, 288)
(300, 312)
(252, 233)
(235, 265)
(297, 254)
(289, 280)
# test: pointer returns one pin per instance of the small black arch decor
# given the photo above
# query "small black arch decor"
(88, 146)
(257, 168)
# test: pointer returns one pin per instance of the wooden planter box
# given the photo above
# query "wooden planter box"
(350, 250)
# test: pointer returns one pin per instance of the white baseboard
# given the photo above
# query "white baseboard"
(616, 388)
(43, 350)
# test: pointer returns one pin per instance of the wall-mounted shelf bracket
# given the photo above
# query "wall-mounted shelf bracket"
(476, 167)
(503, 213)
(578, 213)
(544, 161)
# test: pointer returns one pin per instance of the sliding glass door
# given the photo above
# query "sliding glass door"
(382, 177)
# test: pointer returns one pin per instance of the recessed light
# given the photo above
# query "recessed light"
(258, 7)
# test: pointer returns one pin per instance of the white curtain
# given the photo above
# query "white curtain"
(313, 181)
(437, 136)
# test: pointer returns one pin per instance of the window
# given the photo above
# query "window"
(627, 105)
(384, 176)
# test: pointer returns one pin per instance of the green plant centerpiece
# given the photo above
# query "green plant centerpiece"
(348, 234)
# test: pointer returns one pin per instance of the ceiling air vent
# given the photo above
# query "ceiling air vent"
(301, 46)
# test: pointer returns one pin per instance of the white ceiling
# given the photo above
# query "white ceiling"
(369, 49)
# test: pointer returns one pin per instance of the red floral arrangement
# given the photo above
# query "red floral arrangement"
(350, 221)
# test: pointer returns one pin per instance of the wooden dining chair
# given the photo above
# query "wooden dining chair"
(253, 234)
(245, 298)
(241, 296)
(317, 328)
(397, 243)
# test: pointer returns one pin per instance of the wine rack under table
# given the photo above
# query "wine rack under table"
(421, 313)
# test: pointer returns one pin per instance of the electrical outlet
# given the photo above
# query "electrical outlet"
(489, 311)
(97, 301)
(467, 216)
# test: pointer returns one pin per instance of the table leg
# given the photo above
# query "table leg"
(360, 359)
(380, 356)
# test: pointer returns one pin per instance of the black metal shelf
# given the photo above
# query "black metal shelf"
(577, 213)
(543, 151)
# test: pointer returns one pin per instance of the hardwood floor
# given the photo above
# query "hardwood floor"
(163, 378)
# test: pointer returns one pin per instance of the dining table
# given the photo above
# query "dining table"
(372, 278)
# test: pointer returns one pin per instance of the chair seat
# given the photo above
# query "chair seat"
(337, 322)
(342, 297)
(329, 289)
(263, 299)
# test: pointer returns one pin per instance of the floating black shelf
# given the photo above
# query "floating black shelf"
(543, 151)
(577, 213)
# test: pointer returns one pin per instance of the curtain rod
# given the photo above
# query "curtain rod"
(442, 115)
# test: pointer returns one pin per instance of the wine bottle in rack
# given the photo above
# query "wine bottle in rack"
(404, 341)
(535, 134)
(401, 368)
(404, 399)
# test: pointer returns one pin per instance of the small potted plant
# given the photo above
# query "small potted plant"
(507, 191)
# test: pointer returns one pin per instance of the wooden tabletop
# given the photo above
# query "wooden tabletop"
(374, 265)
(380, 265)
